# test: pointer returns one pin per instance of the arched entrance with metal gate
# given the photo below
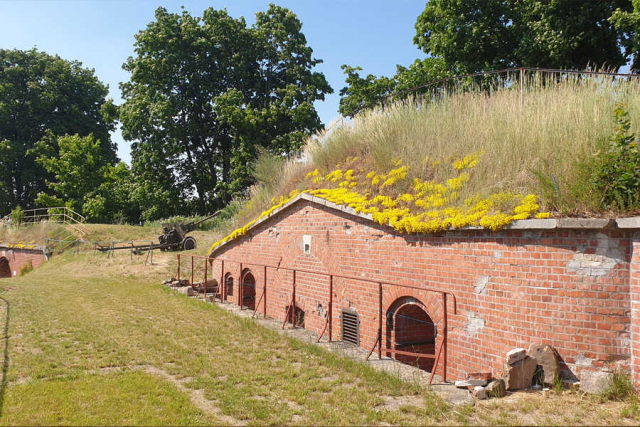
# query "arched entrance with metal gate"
(5, 268)
(410, 329)
(248, 290)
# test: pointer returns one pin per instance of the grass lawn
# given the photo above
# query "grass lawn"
(97, 340)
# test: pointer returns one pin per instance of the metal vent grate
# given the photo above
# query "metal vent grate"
(350, 322)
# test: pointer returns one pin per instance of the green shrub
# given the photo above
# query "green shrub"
(17, 216)
(26, 268)
(617, 172)
(620, 388)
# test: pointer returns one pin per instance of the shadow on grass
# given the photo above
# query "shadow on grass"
(5, 361)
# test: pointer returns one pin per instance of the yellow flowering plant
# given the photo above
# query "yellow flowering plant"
(427, 206)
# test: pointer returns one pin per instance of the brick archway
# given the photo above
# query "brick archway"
(5, 268)
(430, 302)
(248, 283)
(410, 328)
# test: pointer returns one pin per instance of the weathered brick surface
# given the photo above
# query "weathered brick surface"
(565, 288)
(635, 306)
(17, 258)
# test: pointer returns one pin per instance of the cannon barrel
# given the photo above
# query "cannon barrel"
(190, 226)
(195, 224)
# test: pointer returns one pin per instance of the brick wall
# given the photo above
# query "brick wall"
(17, 258)
(635, 307)
(566, 288)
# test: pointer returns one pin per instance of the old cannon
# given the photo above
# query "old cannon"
(174, 237)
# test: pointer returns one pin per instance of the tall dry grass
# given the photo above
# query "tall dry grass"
(549, 129)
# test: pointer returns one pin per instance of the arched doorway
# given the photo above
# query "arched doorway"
(5, 269)
(248, 290)
(411, 329)
(228, 283)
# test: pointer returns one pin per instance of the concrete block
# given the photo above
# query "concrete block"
(595, 381)
(534, 224)
(547, 360)
(520, 375)
(585, 223)
(516, 355)
(631, 222)
(496, 388)
(480, 392)
(186, 290)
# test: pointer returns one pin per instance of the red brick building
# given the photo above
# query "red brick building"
(14, 257)
(571, 283)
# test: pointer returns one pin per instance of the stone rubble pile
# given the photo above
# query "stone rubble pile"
(537, 366)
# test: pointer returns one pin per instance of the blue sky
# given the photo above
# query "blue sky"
(374, 34)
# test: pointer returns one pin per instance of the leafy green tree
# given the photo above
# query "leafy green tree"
(479, 35)
(77, 171)
(628, 23)
(469, 36)
(84, 181)
(39, 93)
(204, 93)
(368, 91)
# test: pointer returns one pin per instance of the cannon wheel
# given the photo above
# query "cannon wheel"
(189, 243)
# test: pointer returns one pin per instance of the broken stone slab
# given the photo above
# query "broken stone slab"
(470, 383)
(516, 355)
(496, 388)
(186, 290)
(453, 395)
(520, 375)
(547, 359)
(595, 381)
(480, 392)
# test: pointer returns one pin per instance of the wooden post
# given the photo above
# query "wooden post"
(264, 293)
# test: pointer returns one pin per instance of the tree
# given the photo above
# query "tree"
(470, 36)
(479, 35)
(369, 91)
(204, 93)
(628, 23)
(39, 93)
(83, 180)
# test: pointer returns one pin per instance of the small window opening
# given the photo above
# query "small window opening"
(296, 317)
(306, 244)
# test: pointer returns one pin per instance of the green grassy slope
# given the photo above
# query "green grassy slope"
(542, 147)
(97, 340)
